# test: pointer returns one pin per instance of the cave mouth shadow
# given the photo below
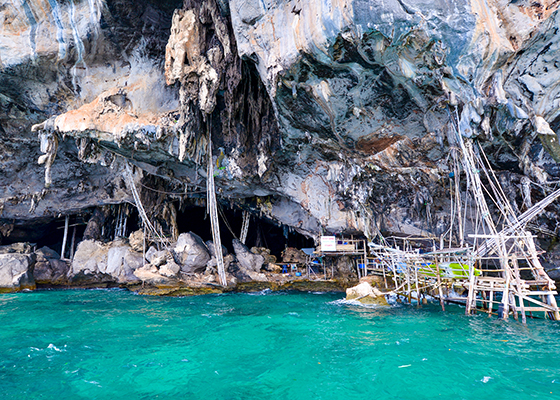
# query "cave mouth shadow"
(262, 232)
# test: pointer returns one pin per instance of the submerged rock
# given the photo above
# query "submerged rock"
(366, 294)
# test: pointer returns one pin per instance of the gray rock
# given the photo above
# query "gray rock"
(192, 254)
(212, 251)
(16, 271)
(150, 253)
(246, 260)
(49, 268)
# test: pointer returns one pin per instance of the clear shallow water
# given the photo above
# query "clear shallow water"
(112, 344)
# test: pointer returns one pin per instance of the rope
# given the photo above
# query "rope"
(213, 211)
(130, 180)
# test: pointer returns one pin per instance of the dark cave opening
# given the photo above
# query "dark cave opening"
(262, 232)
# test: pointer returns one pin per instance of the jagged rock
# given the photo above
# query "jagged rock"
(192, 254)
(246, 260)
(366, 294)
(16, 271)
(49, 268)
(136, 241)
(293, 255)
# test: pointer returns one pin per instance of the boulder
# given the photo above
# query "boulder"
(49, 268)
(246, 260)
(191, 253)
(366, 294)
(16, 271)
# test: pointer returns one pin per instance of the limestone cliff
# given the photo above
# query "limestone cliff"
(334, 116)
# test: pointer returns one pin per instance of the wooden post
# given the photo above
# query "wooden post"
(491, 298)
(519, 288)
(408, 283)
(505, 295)
(384, 275)
(471, 298)
(417, 286)
(552, 301)
(65, 237)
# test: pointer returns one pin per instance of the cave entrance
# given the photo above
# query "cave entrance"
(262, 231)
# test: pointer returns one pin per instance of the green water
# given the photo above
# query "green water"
(112, 344)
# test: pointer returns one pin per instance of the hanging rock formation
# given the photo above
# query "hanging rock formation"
(333, 117)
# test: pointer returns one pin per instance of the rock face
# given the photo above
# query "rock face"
(325, 117)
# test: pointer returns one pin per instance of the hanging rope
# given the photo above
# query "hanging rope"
(141, 211)
(212, 208)
(245, 226)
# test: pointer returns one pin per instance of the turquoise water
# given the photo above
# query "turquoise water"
(112, 344)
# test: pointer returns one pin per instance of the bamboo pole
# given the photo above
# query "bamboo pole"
(491, 298)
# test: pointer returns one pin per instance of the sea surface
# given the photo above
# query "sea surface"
(113, 344)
